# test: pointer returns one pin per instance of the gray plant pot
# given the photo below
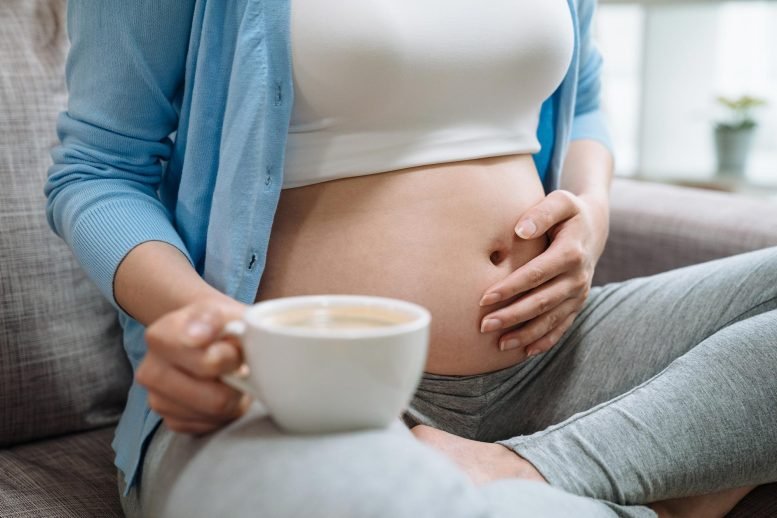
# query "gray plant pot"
(733, 148)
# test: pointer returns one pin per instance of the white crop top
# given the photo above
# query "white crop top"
(380, 85)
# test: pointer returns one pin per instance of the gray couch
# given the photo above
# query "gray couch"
(63, 375)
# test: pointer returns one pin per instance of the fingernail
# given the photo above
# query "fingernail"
(510, 344)
(526, 229)
(490, 324)
(491, 298)
(198, 329)
(532, 353)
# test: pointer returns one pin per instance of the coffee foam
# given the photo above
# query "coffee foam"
(337, 317)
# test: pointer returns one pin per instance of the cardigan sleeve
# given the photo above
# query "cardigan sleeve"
(124, 70)
(589, 121)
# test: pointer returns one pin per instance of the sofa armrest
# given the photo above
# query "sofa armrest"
(656, 227)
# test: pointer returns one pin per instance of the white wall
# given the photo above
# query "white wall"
(679, 59)
(664, 65)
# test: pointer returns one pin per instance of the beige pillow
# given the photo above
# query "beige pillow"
(62, 366)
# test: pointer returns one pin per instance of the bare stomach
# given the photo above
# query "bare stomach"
(437, 235)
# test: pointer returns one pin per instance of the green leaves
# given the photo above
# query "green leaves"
(740, 111)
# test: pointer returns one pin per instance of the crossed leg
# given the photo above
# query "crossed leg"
(661, 390)
(250, 468)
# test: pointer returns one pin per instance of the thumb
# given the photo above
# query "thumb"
(556, 207)
(204, 321)
(201, 326)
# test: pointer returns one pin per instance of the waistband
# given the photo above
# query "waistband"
(458, 404)
(472, 384)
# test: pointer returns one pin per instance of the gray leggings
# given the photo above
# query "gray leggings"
(665, 386)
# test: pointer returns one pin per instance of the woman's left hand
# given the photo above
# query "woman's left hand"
(555, 284)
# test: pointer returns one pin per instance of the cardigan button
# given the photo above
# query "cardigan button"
(278, 93)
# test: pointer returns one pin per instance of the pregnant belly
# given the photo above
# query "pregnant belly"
(437, 235)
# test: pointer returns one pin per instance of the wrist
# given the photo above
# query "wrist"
(598, 199)
(210, 295)
(598, 204)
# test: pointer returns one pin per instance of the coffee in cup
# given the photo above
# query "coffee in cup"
(337, 317)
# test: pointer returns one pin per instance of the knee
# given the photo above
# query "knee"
(763, 262)
(255, 470)
(746, 281)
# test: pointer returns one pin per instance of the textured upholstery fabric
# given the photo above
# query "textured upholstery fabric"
(62, 367)
(61, 364)
(654, 228)
(72, 476)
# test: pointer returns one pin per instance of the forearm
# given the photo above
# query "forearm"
(588, 169)
(588, 172)
(155, 278)
(102, 188)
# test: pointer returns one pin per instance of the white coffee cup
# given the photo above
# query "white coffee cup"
(329, 363)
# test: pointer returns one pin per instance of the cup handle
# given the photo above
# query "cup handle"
(238, 379)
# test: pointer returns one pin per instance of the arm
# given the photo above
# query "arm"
(554, 285)
(125, 74)
(589, 122)
(155, 278)
(588, 166)
(588, 171)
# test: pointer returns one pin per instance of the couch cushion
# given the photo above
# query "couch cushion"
(63, 367)
(70, 476)
(654, 228)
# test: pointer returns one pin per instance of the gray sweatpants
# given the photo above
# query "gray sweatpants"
(664, 386)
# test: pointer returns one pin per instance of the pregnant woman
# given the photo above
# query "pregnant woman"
(218, 153)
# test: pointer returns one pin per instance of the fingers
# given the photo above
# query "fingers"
(556, 207)
(561, 256)
(541, 326)
(208, 362)
(190, 426)
(184, 360)
(185, 339)
(545, 343)
(196, 325)
(537, 302)
(168, 407)
(193, 326)
(205, 398)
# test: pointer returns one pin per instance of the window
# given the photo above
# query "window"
(664, 66)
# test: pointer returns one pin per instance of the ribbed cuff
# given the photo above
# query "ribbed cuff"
(588, 455)
(559, 461)
(569, 456)
(105, 234)
(548, 459)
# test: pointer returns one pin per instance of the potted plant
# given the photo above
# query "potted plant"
(734, 135)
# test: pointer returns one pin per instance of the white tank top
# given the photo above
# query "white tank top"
(380, 85)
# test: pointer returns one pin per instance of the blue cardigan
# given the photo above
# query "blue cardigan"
(175, 131)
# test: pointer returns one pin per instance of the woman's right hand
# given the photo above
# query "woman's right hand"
(184, 361)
